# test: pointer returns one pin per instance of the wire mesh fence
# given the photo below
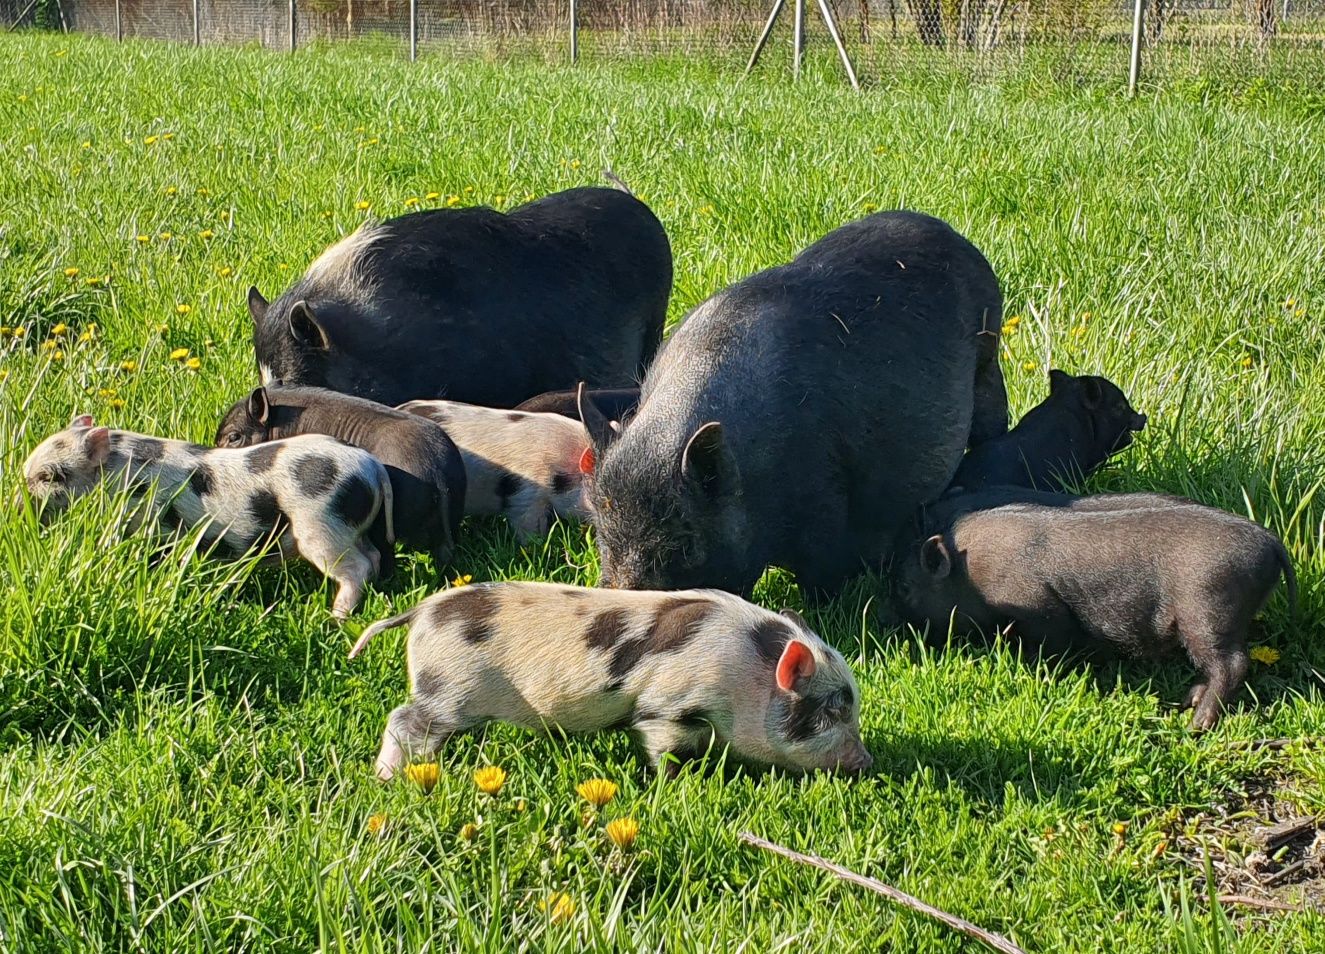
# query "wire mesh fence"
(1075, 40)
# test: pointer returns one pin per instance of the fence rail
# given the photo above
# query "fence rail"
(1078, 39)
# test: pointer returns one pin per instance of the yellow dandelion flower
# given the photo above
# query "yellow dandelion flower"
(172, 190)
(521, 805)
(193, 364)
(327, 213)
(87, 143)
(1029, 366)
(48, 345)
(1300, 313)
(469, 190)
(5, 331)
(226, 216)
(165, 236)
(71, 272)
(144, 239)
(706, 210)
(498, 199)
(117, 403)
(129, 367)
(452, 201)
(92, 281)
(225, 271)
(19, 331)
(490, 779)
(179, 354)
(151, 140)
(182, 309)
(57, 356)
(575, 163)
(597, 791)
(85, 337)
(468, 831)
(59, 53)
(464, 580)
(411, 202)
(432, 196)
(362, 205)
(1247, 361)
(206, 234)
(202, 191)
(1012, 322)
(1266, 655)
(623, 832)
(168, 136)
(59, 329)
(1079, 331)
(424, 775)
(1085, 316)
(284, 266)
(1120, 828)
(559, 906)
(162, 329)
(360, 129)
(870, 207)
(376, 824)
(1290, 302)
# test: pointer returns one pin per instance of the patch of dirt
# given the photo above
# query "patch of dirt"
(1264, 852)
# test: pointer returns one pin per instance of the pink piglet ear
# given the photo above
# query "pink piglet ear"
(81, 420)
(96, 442)
(795, 667)
(587, 461)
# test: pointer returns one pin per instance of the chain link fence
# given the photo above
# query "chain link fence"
(1072, 40)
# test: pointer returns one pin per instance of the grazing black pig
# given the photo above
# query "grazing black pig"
(311, 495)
(1069, 435)
(475, 305)
(680, 670)
(798, 417)
(1141, 576)
(615, 404)
(426, 470)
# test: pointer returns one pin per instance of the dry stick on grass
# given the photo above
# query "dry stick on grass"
(996, 941)
(1249, 902)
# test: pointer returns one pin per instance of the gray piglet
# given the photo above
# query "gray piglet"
(1143, 575)
(426, 470)
(679, 669)
(314, 495)
(1069, 435)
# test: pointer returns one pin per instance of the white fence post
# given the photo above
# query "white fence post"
(413, 30)
(1138, 20)
(574, 31)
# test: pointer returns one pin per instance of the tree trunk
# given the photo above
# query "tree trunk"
(1267, 18)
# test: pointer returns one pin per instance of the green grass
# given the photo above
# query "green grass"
(185, 752)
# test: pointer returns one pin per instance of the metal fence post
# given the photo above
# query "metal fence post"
(197, 31)
(798, 39)
(119, 23)
(293, 41)
(574, 31)
(413, 30)
(1134, 74)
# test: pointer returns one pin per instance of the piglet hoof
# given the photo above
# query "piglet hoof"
(385, 771)
(1207, 713)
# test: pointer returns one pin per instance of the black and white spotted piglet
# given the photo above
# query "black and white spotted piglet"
(681, 670)
(523, 465)
(327, 501)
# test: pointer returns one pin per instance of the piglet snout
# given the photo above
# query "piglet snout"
(856, 762)
(1139, 422)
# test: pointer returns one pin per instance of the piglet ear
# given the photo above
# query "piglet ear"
(795, 617)
(935, 558)
(1058, 379)
(96, 444)
(259, 408)
(257, 305)
(306, 328)
(81, 420)
(795, 667)
(587, 461)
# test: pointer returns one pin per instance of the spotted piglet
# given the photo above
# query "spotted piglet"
(680, 670)
(523, 465)
(326, 501)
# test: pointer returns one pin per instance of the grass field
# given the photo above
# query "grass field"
(185, 752)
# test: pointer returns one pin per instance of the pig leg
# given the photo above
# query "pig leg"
(1224, 669)
(990, 417)
(412, 731)
(376, 535)
(348, 565)
(661, 737)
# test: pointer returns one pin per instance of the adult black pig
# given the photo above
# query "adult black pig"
(798, 417)
(475, 305)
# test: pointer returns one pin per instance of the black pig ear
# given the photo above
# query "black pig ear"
(305, 327)
(257, 305)
(1058, 379)
(708, 462)
(601, 431)
(259, 407)
(1091, 393)
(934, 557)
